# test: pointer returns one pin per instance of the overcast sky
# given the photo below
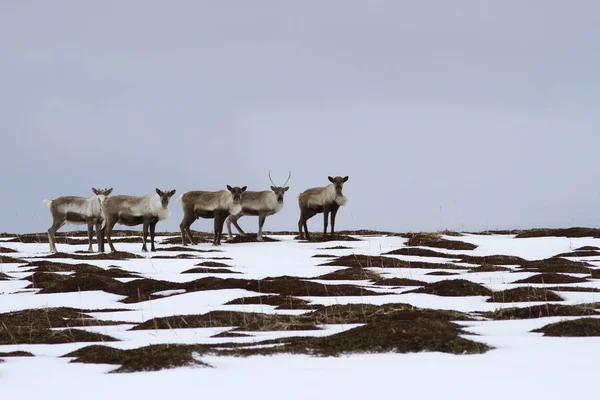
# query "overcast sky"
(465, 115)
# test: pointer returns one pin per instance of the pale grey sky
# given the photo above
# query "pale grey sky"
(464, 115)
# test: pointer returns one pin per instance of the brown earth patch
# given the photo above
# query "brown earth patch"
(419, 252)
(497, 259)
(575, 232)
(364, 261)
(181, 256)
(582, 253)
(251, 238)
(523, 294)
(335, 248)
(490, 268)
(11, 260)
(587, 248)
(4, 277)
(580, 289)
(436, 240)
(543, 310)
(558, 265)
(119, 255)
(212, 264)
(148, 358)
(551, 278)
(204, 270)
(281, 302)
(582, 327)
(320, 238)
(16, 354)
(353, 274)
(323, 256)
(399, 282)
(454, 287)
(34, 327)
(7, 250)
(184, 249)
(230, 334)
(442, 273)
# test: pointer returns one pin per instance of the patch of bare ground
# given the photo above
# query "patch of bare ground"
(185, 249)
(7, 250)
(34, 327)
(251, 238)
(335, 248)
(212, 264)
(419, 252)
(11, 260)
(490, 268)
(182, 256)
(16, 354)
(558, 265)
(575, 232)
(230, 334)
(149, 358)
(579, 253)
(323, 256)
(574, 328)
(524, 294)
(580, 289)
(364, 261)
(543, 310)
(351, 274)
(119, 255)
(205, 270)
(281, 302)
(320, 238)
(436, 240)
(399, 282)
(199, 237)
(442, 273)
(4, 277)
(551, 278)
(454, 287)
(584, 248)
(244, 321)
(496, 259)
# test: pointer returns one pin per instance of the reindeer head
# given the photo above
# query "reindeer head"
(338, 182)
(102, 193)
(165, 196)
(236, 193)
(280, 190)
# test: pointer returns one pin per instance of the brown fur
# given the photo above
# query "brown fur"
(324, 200)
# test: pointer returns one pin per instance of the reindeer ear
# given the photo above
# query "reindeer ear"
(273, 188)
(95, 190)
(172, 192)
(330, 179)
(244, 188)
(158, 191)
(109, 191)
(229, 188)
(345, 178)
(285, 189)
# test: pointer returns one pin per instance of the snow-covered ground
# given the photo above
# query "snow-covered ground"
(523, 364)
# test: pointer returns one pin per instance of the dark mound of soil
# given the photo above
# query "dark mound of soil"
(552, 278)
(16, 354)
(577, 253)
(584, 248)
(205, 270)
(119, 255)
(574, 289)
(244, 321)
(212, 264)
(149, 358)
(11, 260)
(496, 259)
(181, 256)
(230, 334)
(436, 240)
(419, 252)
(454, 287)
(282, 302)
(524, 294)
(576, 232)
(42, 280)
(4, 277)
(320, 238)
(356, 274)
(182, 248)
(7, 250)
(336, 248)
(78, 283)
(364, 261)
(116, 272)
(324, 256)
(490, 268)
(34, 327)
(251, 238)
(558, 265)
(575, 328)
(51, 266)
(442, 273)
(29, 238)
(543, 310)
(399, 282)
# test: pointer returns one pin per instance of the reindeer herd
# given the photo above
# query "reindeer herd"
(223, 206)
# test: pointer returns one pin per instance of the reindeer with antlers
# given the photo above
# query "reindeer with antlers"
(261, 204)
(324, 200)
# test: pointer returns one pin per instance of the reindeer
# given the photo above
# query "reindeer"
(136, 210)
(261, 204)
(203, 204)
(78, 211)
(321, 200)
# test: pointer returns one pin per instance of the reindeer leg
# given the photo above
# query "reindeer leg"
(145, 234)
(261, 222)
(108, 227)
(56, 225)
(309, 214)
(217, 222)
(234, 219)
(325, 218)
(100, 236)
(90, 226)
(152, 229)
(187, 221)
(333, 214)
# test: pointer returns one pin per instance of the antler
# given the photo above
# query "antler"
(271, 179)
(289, 176)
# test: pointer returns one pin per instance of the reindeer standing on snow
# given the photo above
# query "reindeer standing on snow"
(136, 210)
(324, 200)
(203, 204)
(78, 211)
(261, 204)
